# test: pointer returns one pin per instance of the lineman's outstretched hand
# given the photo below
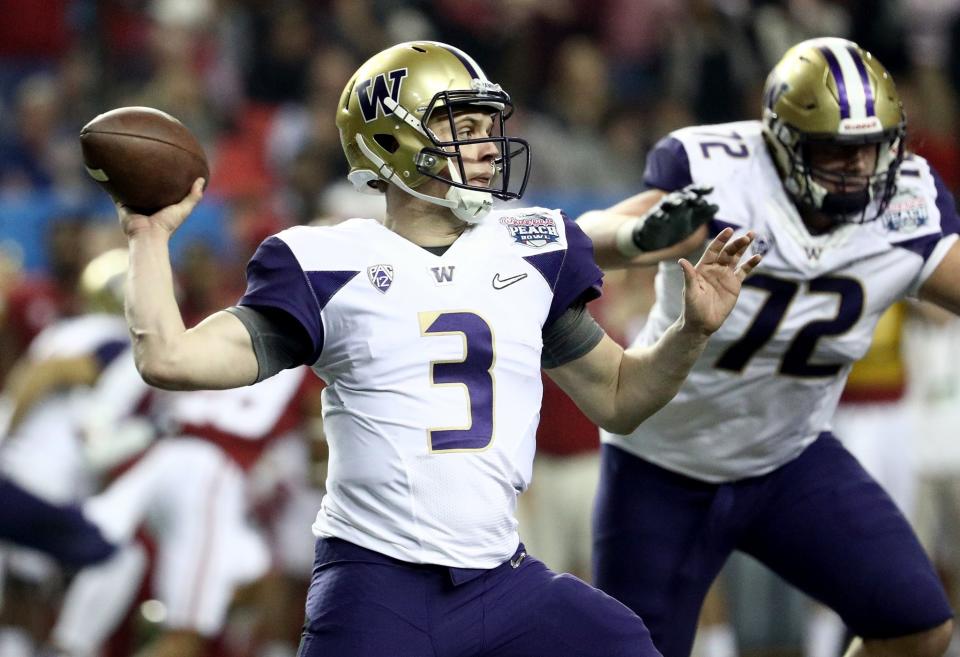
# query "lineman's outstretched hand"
(674, 218)
(712, 286)
(168, 219)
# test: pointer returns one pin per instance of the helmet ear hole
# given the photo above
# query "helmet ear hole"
(387, 142)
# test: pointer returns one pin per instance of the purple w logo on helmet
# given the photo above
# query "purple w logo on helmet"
(371, 93)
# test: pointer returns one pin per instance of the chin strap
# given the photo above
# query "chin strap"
(845, 204)
(471, 205)
(468, 205)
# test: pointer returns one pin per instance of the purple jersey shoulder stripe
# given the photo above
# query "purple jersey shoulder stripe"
(571, 273)
(949, 221)
(864, 79)
(276, 280)
(668, 167)
(325, 284)
(838, 78)
(548, 264)
(922, 246)
(463, 60)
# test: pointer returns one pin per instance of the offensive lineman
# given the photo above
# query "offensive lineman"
(743, 458)
(430, 331)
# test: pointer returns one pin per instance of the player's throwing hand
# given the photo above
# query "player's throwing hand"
(167, 219)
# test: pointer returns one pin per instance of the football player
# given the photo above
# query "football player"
(190, 492)
(743, 457)
(42, 451)
(430, 330)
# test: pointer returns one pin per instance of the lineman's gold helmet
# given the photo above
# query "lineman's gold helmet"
(831, 90)
(383, 116)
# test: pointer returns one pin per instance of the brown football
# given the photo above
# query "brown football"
(144, 158)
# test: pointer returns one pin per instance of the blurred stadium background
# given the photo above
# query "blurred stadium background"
(596, 83)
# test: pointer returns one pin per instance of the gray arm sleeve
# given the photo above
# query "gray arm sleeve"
(572, 335)
(277, 347)
(279, 342)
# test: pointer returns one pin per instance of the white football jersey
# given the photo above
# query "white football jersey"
(768, 382)
(433, 371)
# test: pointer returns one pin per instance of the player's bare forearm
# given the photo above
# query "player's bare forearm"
(652, 376)
(215, 354)
(619, 389)
(151, 307)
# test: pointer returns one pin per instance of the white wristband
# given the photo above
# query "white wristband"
(625, 244)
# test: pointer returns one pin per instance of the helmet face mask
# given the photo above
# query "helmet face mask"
(383, 120)
(446, 106)
(831, 92)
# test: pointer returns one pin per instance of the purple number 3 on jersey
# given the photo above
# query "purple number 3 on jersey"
(474, 372)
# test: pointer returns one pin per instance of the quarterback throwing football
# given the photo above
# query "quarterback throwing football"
(430, 330)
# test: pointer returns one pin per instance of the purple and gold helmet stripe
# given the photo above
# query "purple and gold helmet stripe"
(864, 80)
(853, 86)
(837, 73)
(472, 68)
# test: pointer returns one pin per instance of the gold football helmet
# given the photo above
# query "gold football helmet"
(102, 280)
(830, 90)
(383, 119)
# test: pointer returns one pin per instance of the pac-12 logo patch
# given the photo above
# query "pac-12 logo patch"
(381, 277)
(534, 230)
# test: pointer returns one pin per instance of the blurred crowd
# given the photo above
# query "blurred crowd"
(596, 83)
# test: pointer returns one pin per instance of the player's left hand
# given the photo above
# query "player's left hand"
(711, 288)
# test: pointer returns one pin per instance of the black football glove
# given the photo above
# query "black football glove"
(677, 216)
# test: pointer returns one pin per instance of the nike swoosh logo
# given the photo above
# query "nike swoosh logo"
(500, 283)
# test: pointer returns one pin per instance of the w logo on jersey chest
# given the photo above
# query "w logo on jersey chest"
(373, 92)
(443, 275)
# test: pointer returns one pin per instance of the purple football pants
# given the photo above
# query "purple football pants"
(820, 522)
(364, 604)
